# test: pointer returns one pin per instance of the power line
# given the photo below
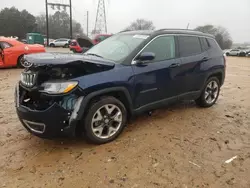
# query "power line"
(58, 6)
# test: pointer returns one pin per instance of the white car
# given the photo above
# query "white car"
(60, 43)
(237, 52)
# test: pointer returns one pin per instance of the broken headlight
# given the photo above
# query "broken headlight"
(58, 87)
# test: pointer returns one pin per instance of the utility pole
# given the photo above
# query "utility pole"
(70, 8)
(47, 21)
(87, 23)
(58, 5)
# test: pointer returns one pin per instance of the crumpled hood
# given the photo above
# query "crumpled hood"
(40, 59)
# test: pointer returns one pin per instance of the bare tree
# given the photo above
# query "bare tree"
(221, 34)
(141, 24)
(58, 25)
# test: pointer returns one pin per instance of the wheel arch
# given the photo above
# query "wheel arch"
(217, 74)
(18, 58)
(121, 93)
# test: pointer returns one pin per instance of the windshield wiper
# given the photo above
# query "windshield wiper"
(94, 55)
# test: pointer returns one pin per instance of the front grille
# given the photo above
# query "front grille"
(28, 79)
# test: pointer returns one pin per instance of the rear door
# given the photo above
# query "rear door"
(58, 42)
(156, 80)
(192, 59)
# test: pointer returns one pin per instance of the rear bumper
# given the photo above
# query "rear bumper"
(53, 122)
(76, 49)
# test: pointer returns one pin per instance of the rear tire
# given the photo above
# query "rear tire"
(104, 121)
(210, 93)
(52, 45)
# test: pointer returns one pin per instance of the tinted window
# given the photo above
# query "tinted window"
(163, 47)
(5, 45)
(189, 45)
(204, 44)
(213, 43)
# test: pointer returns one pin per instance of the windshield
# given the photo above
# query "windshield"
(117, 47)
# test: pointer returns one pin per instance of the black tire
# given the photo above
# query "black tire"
(88, 132)
(242, 54)
(66, 46)
(52, 45)
(19, 62)
(201, 101)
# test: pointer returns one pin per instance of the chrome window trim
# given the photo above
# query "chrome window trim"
(163, 35)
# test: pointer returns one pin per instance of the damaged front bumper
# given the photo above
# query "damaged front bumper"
(54, 121)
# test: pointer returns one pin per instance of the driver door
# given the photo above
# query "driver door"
(157, 80)
(6, 54)
(1, 54)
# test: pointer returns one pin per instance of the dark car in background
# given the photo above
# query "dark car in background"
(93, 94)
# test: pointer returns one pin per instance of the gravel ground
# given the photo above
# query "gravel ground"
(180, 146)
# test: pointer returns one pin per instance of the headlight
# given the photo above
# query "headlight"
(58, 87)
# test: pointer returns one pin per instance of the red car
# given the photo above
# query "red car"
(82, 44)
(12, 52)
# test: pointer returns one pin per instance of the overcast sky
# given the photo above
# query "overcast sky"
(231, 14)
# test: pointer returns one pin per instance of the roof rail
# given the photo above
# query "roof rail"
(167, 29)
(125, 30)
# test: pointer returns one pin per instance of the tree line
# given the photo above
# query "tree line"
(18, 23)
(220, 33)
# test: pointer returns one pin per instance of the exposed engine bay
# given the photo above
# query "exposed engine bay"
(34, 77)
(65, 71)
(35, 100)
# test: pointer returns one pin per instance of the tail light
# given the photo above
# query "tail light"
(225, 60)
(73, 44)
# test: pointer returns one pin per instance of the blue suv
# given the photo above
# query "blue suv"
(93, 94)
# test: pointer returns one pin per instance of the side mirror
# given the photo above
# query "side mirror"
(146, 56)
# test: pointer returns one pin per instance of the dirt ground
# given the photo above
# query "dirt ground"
(180, 146)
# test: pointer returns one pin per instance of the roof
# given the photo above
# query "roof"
(169, 31)
(34, 34)
(12, 41)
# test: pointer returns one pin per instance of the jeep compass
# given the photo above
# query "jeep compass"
(94, 93)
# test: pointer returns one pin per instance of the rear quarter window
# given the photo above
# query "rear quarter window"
(204, 44)
(213, 43)
(189, 45)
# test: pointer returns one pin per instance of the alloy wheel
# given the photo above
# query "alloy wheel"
(106, 121)
(211, 92)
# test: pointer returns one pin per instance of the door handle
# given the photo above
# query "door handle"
(205, 59)
(174, 65)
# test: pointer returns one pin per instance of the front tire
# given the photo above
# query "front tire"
(210, 93)
(105, 120)
(20, 61)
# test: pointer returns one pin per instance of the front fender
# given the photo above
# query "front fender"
(85, 101)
